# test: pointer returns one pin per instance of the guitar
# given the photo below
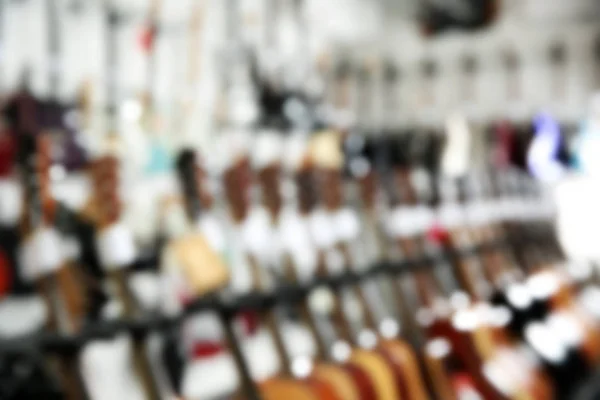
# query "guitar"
(329, 380)
(237, 181)
(117, 251)
(400, 353)
(396, 352)
(376, 361)
(456, 345)
(350, 381)
(43, 248)
(184, 279)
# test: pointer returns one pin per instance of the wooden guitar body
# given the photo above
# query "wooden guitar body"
(323, 389)
(404, 362)
(350, 381)
(446, 370)
(289, 389)
(363, 380)
(319, 386)
(440, 378)
(379, 372)
(341, 380)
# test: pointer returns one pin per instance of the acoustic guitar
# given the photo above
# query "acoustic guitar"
(396, 352)
(457, 345)
(383, 359)
(237, 181)
(55, 281)
(349, 381)
(476, 344)
(117, 252)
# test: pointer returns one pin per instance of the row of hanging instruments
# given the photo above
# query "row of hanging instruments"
(306, 211)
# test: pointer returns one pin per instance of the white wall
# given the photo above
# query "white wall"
(528, 25)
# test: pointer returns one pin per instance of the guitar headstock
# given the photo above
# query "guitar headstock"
(105, 179)
(238, 180)
(191, 178)
(457, 153)
(299, 166)
(360, 162)
(269, 178)
(267, 162)
(504, 142)
(22, 111)
(35, 158)
(307, 196)
(326, 153)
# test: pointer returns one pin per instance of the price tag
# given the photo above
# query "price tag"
(479, 213)
(346, 224)
(26, 256)
(10, 202)
(451, 215)
(322, 230)
(267, 149)
(257, 232)
(409, 221)
(47, 245)
(261, 238)
(116, 247)
(295, 235)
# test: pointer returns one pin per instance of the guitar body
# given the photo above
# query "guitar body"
(539, 387)
(440, 379)
(323, 389)
(379, 372)
(404, 362)
(289, 389)
(450, 377)
(338, 378)
(363, 380)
